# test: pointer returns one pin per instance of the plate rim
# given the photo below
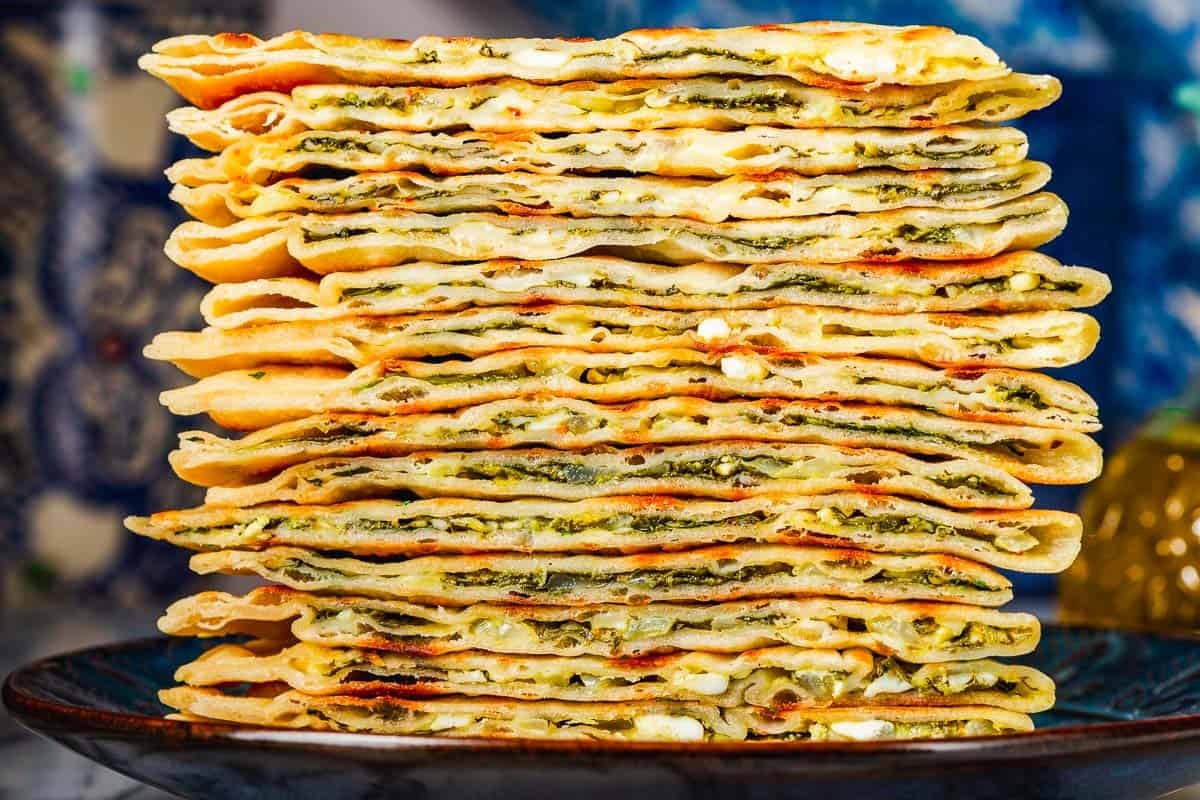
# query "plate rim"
(1089, 739)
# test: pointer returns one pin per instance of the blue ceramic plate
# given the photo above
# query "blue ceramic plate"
(1127, 725)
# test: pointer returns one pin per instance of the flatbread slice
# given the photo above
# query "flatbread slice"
(726, 470)
(1035, 455)
(287, 244)
(208, 70)
(513, 106)
(774, 677)
(643, 721)
(1028, 541)
(684, 152)
(1025, 340)
(270, 395)
(772, 196)
(1020, 281)
(709, 574)
(917, 632)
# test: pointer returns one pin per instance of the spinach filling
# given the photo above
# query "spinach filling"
(330, 144)
(941, 234)
(894, 192)
(555, 582)
(894, 730)
(947, 683)
(725, 468)
(757, 57)
(808, 282)
(762, 103)
(1014, 542)
(873, 151)
(1015, 447)
(560, 582)
(1021, 395)
(566, 634)
(975, 483)
(1000, 345)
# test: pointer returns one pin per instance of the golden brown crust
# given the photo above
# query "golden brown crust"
(1030, 541)
(264, 247)
(208, 70)
(555, 719)
(733, 572)
(1032, 454)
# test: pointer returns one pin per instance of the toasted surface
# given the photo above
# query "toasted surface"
(1012, 282)
(642, 721)
(773, 677)
(919, 632)
(755, 150)
(208, 70)
(708, 574)
(1031, 541)
(771, 196)
(513, 106)
(728, 470)
(1036, 455)
(286, 244)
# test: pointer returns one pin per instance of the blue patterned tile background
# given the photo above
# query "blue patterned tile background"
(84, 286)
(82, 439)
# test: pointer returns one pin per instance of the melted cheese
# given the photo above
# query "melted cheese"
(540, 58)
(737, 368)
(867, 730)
(665, 727)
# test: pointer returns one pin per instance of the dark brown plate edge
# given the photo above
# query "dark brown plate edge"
(1074, 741)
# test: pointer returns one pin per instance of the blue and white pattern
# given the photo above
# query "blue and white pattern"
(84, 283)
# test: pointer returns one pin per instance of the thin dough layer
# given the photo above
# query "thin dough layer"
(1022, 340)
(1028, 541)
(1035, 455)
(683, 152)
(727, 470)
(771, 196)
(512, 106)
(918, 632)
(269, 395)
(288, 244)
(706, 575)
(645, 721)
(1013, 282)
(774, 677)
(207, 70)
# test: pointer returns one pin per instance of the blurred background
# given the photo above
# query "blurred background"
(83, 441)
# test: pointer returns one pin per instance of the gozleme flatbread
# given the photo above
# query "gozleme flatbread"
(269, 395)
(773, 677)
(512, 106)
(641, 721)
(208, 70)
(705, 575)
(724, 470)
(756, 150)
(1029, 541)
(769, 196)
(1020, 281)
(917, 632)
(1026, 340)
(286, 244)
(1035, 455)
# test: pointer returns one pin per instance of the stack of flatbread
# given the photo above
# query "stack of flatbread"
(672, 386)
